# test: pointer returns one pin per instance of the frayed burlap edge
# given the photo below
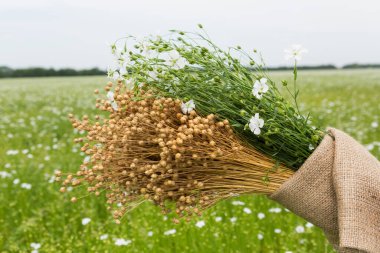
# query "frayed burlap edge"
(338, 190)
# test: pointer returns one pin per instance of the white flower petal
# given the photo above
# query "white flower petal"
(261, 123)
(263, 80)
(114, 105)
(85, 221)
(110, 96)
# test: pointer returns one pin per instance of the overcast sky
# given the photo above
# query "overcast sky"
(74, 33)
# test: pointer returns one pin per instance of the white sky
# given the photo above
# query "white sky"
(74, 33)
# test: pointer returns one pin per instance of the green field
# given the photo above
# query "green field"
(37, 139)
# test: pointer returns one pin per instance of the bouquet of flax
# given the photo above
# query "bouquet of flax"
(186, 124)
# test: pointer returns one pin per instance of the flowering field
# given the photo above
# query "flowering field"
(37, 139)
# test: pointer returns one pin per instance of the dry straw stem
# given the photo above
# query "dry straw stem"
(148, 149)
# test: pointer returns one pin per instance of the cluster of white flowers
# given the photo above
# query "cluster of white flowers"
(172, 59)
(260, 87)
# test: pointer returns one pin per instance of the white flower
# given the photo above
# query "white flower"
(85, 221)
(129, 83)
(122, 242)
(217, 219)
(122, 71)
(255, 123)
(238, 203)
(311, 147)
(295, 52)
(147, 50)
(370, 147)
(247, 210)
(4, 174)
(260, 216)
(260, 87)
(35, 245)
(374, 124)
(114, 105)
(12, 152)
(309, 225)
(170, 232)
(103, 237)
(200, 224)
(187, 107)
(7, 165)
(175, 60)
(87, 159)
(260, 236)
(277, 230)
(233, 219)
(110, 96)
(275, 210)
(112, 73)
(300, 229)
(26, 186)
(16, 181)
(150, 233)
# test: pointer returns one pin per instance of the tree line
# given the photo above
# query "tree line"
(6, 72)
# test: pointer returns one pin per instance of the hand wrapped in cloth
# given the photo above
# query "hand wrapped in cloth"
(338, 190)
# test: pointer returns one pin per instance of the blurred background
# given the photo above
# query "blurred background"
(54, 53)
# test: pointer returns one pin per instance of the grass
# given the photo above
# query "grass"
(36, 139)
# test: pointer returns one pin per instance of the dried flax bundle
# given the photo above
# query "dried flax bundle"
(198, 124)
(189, 124)
(149, 150)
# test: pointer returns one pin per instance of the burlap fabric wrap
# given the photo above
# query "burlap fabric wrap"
(338, 190)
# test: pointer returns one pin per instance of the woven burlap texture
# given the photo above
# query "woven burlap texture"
(338, 190)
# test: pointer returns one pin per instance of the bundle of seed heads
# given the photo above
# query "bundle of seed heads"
(149, 150)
